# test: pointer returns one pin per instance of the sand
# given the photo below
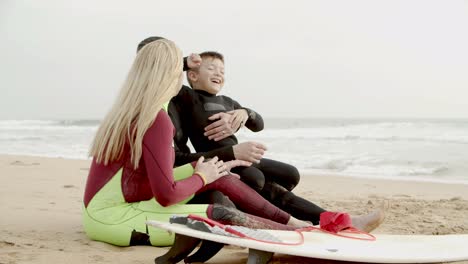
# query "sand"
(41, 200)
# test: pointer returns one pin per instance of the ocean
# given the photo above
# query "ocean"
(408, 149)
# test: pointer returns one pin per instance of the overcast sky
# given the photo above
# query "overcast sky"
(67, 59)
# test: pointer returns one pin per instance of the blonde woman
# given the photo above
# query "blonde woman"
(132, 179)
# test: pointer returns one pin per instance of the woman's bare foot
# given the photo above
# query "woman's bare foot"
(370, 221)
(297, 223)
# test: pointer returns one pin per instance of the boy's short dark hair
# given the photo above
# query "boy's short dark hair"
(147, 41)
(212, 54)
(207, 54)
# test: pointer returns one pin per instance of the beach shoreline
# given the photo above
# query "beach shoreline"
(41, 201)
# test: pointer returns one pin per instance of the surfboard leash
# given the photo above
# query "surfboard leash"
(209, 225)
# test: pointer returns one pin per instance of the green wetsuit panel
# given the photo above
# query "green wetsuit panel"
(110, 219)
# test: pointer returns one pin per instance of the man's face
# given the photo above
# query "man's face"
(210, 76)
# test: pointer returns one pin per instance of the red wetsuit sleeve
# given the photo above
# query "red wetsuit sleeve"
(158, 156)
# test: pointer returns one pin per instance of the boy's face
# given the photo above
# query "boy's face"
(209, 77)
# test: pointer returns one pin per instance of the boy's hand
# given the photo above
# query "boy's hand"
(194, 61)
(249, 151)
(220, 129)
(238, 118)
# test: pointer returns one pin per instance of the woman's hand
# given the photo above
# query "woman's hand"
(194, 61)
(212, 169)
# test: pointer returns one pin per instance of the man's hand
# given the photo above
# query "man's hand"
(194, 61)
(238, 118)
(249, 151)
(220, 129)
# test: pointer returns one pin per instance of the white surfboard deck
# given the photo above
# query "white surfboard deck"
(385, 249)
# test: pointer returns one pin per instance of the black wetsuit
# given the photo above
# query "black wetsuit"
(190, 110)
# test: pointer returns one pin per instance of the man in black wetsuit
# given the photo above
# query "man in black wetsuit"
(223, 125)
(193, 111)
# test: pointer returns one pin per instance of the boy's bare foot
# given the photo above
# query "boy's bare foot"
(370, 221)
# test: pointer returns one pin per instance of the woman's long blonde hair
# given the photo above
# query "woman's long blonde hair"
(153, 80)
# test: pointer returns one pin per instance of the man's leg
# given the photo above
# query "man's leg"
(297, 206)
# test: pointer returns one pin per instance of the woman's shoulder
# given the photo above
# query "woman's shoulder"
(161, 126)
(162, 118)
(161, 121)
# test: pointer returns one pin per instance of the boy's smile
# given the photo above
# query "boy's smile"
(210, 76)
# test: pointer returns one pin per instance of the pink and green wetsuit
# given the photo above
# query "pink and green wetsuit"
(118, 199)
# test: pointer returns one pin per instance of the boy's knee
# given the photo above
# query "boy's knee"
(293, 178)
(254, 179)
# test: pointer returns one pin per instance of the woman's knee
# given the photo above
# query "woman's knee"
(212, 197)
(223, 213)
(217, 197)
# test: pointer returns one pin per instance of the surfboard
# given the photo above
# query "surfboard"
(385, 249)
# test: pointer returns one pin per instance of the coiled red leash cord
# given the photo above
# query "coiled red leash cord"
(333, 223)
